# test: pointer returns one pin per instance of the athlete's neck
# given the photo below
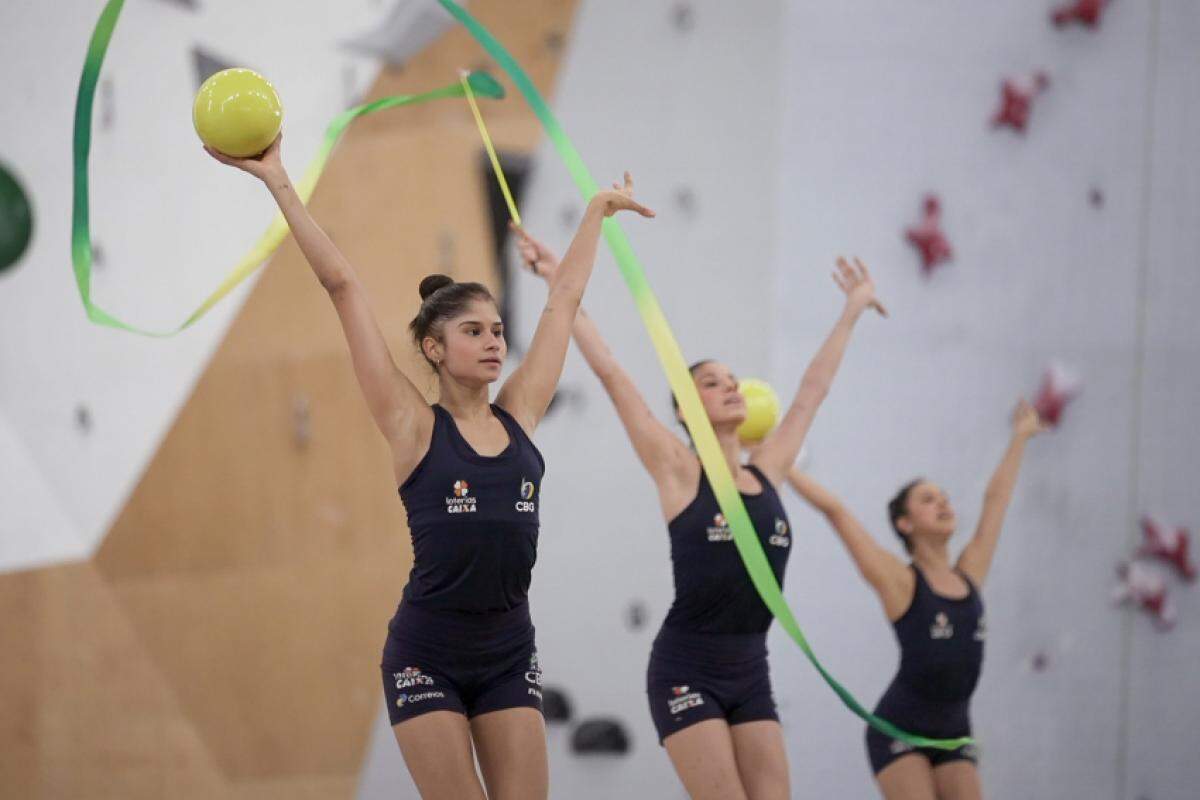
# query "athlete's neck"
(931, 557)
(462, 401)
(731, 447)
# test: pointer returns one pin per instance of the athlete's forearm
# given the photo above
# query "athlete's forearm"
(1005, 477)
(327, 262)
(818, 378)
(573, 273)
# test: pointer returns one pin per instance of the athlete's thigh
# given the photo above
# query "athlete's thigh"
(761, 759)
(511, 745)
(437, 750)
(704, 759)
(958, 780)
(909, 777)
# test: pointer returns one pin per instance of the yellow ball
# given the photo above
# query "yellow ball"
(762, 410)
(237, 112)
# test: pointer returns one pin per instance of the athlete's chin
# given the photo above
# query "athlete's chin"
(480, 378)
(489, 371)
(727, 418)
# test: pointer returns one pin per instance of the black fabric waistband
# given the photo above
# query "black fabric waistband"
(721, 648)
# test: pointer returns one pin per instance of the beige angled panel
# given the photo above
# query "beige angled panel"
(225, 639)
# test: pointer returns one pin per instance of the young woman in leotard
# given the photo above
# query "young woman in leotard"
(708, 683)
(936, 609)
(460, 668)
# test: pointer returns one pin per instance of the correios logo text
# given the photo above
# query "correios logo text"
(403, 699)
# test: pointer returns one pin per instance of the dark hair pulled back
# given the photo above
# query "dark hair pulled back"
(442, 298)
(898, 507)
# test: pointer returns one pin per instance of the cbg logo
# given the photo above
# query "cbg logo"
(526, 503)
(780, 537)
(534, 673)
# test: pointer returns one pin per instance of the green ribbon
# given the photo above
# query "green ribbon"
(81, 237)
(675, 367)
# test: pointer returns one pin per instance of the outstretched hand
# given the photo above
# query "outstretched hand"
(1026, 421)
(539, 258)
(261, 166)
(858, 285)
(620, 198)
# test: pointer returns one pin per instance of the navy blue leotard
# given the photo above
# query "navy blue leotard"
(941, 655)
(709, 660)
(462, 639)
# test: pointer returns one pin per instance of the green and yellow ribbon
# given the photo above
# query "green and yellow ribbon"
(491, 149)
(81, 238)
(680, 379)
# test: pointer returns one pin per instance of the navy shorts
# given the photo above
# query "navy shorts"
(694, 677)
(915, 714)
(467, 663)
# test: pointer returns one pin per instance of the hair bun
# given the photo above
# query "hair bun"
(431, 283)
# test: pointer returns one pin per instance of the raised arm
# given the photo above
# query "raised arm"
(976, 557)
(661, 452)
(889, 576)
(779, 449)
(400, 411)
(528, 391)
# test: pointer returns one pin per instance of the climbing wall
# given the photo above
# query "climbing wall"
(1068, 241)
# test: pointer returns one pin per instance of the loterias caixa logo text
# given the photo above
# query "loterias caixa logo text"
(461, 502)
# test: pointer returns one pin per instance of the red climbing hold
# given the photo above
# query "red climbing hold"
(1016, 100)
(1085, 12)
(1173, 547)
(928, 238)
(1141, 585)
(1058, 388)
